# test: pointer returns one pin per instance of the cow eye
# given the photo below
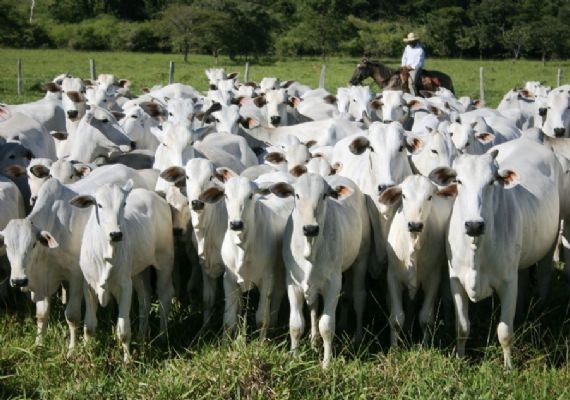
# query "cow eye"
(467, 144)
(170, 114)
(104, 120)
(434, 151)
(217, 120)
(459, 182)
(134, 116)
(296, 195)
(99, 205)
(164, 144)
(429, 198)
(251, 196)
(403, 196)
(401, 149)
(324, 196)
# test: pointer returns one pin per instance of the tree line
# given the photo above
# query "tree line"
(282, 28)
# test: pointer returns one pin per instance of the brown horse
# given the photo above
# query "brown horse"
(396, 79)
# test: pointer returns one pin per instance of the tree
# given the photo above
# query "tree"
(382, 38)
(518, 39)
(443, 28)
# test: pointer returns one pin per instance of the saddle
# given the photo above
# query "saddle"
(427, 80)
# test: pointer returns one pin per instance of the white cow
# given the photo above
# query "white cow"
(128, 231)
(435, 149)
(557, 122)
(327, 234)
(30, 133)
(209, 222)
(137, 124)
(505, 218)
(416, 247)
(251, 247)
(98, 133)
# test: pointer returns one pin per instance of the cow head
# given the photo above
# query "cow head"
(21, 238)
(73, 98)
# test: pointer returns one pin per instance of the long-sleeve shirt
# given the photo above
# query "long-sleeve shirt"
(414, 57)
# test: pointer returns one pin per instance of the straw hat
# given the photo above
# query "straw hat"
(411, 37)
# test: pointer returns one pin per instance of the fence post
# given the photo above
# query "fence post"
(558, 77)
(481, 87)
(246, 73)
(323, 76)
(19, 77)
(92, 69)
(171, 72)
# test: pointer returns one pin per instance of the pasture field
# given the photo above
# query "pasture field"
(146, 70)
(206, 365)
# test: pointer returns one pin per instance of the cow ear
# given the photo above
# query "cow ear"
(391, 196)
(223, 174)
(83, 169)
(494, 153)
(376, 104)
(46, 239)
(39, 171)
(310, 143)
(282, 190)
(286, 84)
(442, 176)
(173, 174)
(88, 82)
(118, 115)
(298, 170)
(52, 87)
(211, 195)
(485, 137)
(359, 145)
(128, 186)
(16, 171)
(83, 201)
(336, 168)
(414, 144)
(249, 122)
(214, 107)
(233, 75)
(259, 101)
(294, 101)
(275, 157)
(340, 192)
(414, 104)
(448, 191)
(508, 178)
(59, 135)
(124, 83)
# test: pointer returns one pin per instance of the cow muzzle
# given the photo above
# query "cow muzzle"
(415, 227)
(116, 236)
(474, 228)
(236, 225)
(197, 205)
(559, 132)
(275, 120)
(19, 282)
(310, 230)
(72, 114)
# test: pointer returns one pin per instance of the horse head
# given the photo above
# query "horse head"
(363, 70)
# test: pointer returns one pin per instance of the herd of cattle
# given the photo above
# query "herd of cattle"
(284, 188)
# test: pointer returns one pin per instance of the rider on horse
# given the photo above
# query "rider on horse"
(413, 59)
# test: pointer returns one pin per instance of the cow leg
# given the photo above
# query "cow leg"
(431, 288)
(277, 298)
(508, 296)
(462, 323)
(73, 308)
(544, 272)
(327, 321)
(165, 291)
(42, 314)
(208, 297)
(144, 299)
(314, 309)
(124, 322)
(232, 307)
(91, 304)
(262, 314)
(296, 320)
(397, 314)
(359, 295)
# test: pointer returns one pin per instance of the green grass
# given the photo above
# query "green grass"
(194, 365)
(151, 69)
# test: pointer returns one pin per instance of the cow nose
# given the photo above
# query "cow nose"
(381, 188)
(387, 121)
(19, 283)
(311, 230)
(542, 111)
(116, 236)
(415, 226)
(197, 205)
(177, 232)
(213, 87)
(559, 132)
(72, 114)
(133, 144)
(236, 225)
(474, 228)
(275, 120)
